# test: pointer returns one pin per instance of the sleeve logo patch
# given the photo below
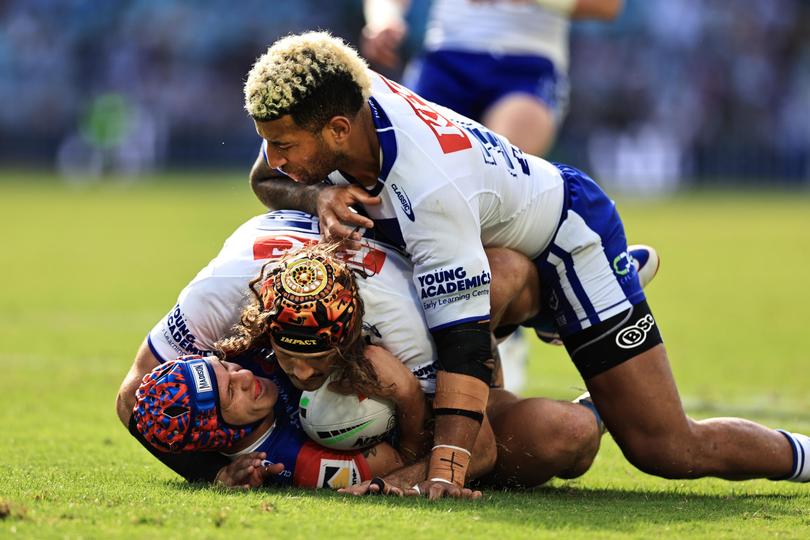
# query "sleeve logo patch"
(338, 473)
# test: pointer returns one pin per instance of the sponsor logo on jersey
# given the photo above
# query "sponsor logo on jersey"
(277, 245)
(425, 372)
(202, 378)
(443, 282)
(634, 335)
(622, 263)
(404, 201)
(177, 331)
(451, 137)
(338, 473)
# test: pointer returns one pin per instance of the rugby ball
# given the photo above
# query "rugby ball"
(345, 422)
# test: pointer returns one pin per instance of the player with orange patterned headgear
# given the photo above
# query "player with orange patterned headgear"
(310, 311)
(314, 302)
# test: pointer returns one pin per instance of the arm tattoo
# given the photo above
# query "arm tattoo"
(281, 193)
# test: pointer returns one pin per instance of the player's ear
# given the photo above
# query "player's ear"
(338, 129)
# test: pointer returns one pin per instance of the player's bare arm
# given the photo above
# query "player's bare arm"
(277, 191)
(143, 364)
(400, 386)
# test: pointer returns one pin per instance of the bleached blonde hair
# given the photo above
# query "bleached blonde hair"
(307, 75)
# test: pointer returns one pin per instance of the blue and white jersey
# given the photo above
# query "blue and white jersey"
(498, 28)
(449, 187)
(210, 305)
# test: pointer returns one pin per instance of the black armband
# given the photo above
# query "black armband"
(193, 466)
(465, 349)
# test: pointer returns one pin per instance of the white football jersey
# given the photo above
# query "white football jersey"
(498, 28)
(210, 305)
(449, 187)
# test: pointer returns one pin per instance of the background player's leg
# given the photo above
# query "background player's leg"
(523, 119)
(540, 438)
(640, 405)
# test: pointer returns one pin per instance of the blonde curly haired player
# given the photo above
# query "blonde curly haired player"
(442, 187)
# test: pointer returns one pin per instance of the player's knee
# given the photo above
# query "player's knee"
(581, 437)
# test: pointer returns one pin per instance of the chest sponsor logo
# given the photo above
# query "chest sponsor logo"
(404, 201)
(451, 137)
(634, 335)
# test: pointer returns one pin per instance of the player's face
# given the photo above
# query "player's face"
(306, 371)
(243, 397)
(301, 154)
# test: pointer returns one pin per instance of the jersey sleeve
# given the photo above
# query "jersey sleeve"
(319, 467)
(451, 271)
(205, 311)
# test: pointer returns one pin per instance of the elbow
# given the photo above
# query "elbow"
(124, 403)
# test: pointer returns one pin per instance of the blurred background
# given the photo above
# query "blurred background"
(673, 93)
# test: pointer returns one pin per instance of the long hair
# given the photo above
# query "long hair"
(352, 368)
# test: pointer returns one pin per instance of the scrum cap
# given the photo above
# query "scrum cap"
(312, 299)
(177, 408)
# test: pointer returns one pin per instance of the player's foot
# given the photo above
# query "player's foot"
(586, 401)
(644, 258)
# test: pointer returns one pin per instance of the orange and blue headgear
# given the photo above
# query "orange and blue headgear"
(177, 408)
(313, 302)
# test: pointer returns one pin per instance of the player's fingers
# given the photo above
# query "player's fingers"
(436, 491)
(353, 219)
(272, 469)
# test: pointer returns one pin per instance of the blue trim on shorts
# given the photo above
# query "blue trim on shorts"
(583, 196)
(576, 284)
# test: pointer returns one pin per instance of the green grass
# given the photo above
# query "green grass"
(88, 269)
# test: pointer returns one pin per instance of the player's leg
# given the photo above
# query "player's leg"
(640, 405)
(514, 289)
(527, 122)
(590, 283)
(540, 438)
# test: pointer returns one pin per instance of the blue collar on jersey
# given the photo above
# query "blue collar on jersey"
(388, 143)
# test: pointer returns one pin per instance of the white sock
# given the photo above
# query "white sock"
(801, 456)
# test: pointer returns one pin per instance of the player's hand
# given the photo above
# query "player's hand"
(438, 490)
(247, 472)
(375, 486)
(380, 46)
(338, 221)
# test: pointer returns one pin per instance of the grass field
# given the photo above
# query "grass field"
(87, 270)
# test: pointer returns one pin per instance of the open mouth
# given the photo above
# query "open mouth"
(258, 391)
